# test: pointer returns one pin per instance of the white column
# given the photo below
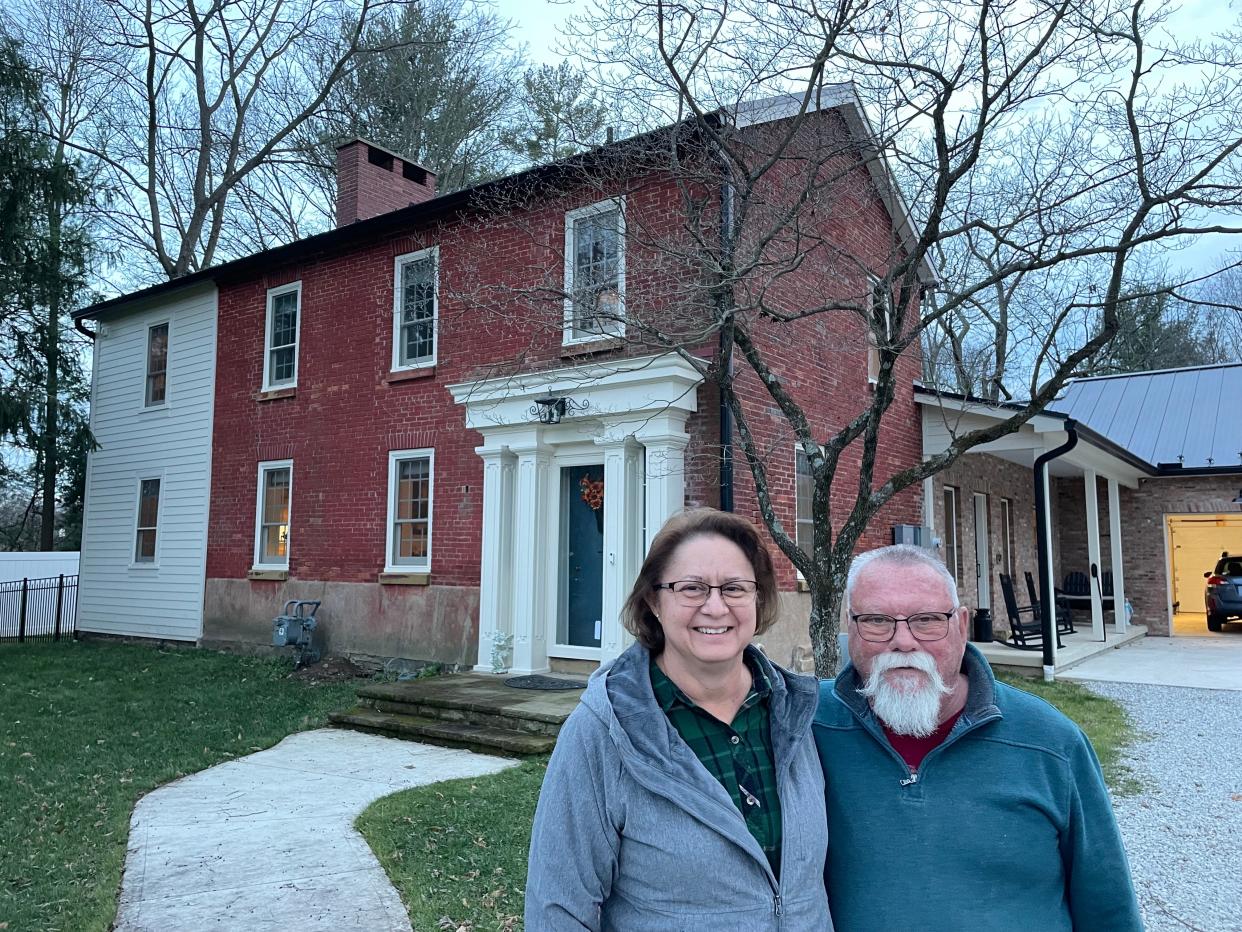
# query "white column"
(495, 580)
(665, 439)
(621, 463)
(1049, 586)
(1114, 540)
(529, 570)
(1093, 552)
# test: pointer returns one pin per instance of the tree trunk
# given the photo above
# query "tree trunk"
(825, 625)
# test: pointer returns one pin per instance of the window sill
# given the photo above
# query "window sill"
(803, 585)
(268, 575)
(409, 375)
(274, 394)
(145, 565)
(589, 347)
(404, 579)
(148, 409)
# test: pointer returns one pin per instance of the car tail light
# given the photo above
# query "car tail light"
(1216, 580)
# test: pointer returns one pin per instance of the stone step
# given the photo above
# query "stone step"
(482, 738)
(461, 693)
(478, 716)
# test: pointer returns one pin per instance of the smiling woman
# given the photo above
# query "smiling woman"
(688, 757)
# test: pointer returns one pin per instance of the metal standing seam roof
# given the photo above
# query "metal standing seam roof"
(1172, 418)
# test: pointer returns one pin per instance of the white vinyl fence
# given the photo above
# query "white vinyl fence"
(19, 566)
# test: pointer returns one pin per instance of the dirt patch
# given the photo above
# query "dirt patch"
(331, 670)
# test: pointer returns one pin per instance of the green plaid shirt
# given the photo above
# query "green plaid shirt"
(739, 755)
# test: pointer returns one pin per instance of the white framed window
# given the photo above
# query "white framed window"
(272, 515)
(146, 521)
(804, 494)
(1006, 514)
(882, 311)
(281, 332)
(156, 390)
(595, 272)
(410, 492)
(952, 535)
(415, 316)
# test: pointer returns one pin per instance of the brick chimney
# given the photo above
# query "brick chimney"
(371, 181)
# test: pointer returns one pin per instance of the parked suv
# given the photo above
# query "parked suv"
(1223, 595)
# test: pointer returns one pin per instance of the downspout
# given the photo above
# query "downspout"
(1047, 600)
(82, 329)
(726, 416)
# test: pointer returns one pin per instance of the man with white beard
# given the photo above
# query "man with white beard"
(955, 802)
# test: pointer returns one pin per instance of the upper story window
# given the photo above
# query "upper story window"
(409, 510)
(157, 365)
(881, 314)
(595, 272)
(148, 520)
(280, 350)
(271, 548)
(415, 309)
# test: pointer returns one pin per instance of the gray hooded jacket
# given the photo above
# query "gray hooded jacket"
(633, 834)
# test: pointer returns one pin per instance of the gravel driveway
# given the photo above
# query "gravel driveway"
(1182, 832)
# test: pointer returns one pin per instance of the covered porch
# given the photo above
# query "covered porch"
(984, 511)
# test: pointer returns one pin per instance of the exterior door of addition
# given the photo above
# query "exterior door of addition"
(581, 596)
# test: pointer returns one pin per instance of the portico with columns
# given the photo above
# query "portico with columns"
(555, 557)
(991, 497)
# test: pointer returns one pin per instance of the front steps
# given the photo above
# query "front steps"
(470, 710)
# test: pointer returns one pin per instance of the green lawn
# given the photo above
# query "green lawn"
(87, 728)
(457, 851)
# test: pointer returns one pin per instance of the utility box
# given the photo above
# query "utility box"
(908, 534)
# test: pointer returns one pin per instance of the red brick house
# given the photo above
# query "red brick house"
(385, 417)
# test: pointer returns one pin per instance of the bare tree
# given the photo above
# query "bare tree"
(1041, 149)
(199, 95)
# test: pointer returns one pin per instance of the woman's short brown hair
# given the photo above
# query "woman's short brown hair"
(637, 615)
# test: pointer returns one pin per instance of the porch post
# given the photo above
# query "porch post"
(1114, 541)
(1093, 552)
(495, 581)
(529, 569)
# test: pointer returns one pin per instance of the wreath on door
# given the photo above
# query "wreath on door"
(592, 493)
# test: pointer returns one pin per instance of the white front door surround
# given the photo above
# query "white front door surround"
(628, 414)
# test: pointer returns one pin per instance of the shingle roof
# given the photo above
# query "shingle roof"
(1172, 418)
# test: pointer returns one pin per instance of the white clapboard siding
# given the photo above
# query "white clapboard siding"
(117, 596)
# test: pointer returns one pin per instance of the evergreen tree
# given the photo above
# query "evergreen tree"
(43, 384)
(561, 115)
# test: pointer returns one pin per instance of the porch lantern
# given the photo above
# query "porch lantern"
(549, 410)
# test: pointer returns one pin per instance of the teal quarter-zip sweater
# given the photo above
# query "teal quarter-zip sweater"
(1006, 826)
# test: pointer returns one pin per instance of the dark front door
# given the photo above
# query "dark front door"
(582, 556)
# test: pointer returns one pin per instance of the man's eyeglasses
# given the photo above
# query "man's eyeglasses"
(693, 592)
(924, 626)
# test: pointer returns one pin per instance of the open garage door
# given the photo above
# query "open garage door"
(1195, 544)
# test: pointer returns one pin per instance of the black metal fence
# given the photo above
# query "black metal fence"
(38, 608)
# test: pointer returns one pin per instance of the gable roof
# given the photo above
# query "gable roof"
(1177, 420)
(839, 96)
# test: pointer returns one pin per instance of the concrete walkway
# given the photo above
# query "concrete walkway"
(266, 842)
(1205, 662)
